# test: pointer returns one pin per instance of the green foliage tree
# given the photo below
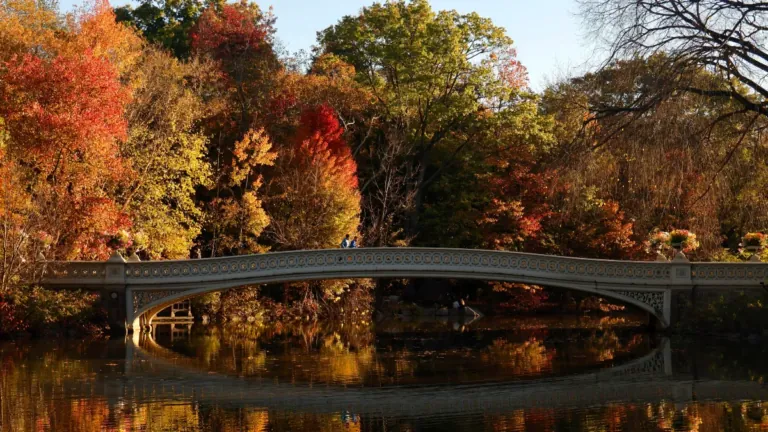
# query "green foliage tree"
(166, 22)
(435, 77)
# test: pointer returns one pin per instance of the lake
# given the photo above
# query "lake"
(494, 374)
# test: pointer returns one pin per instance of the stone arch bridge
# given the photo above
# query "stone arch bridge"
(134, 292)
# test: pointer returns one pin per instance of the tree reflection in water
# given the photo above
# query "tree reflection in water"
(75, 386)
(405, 353)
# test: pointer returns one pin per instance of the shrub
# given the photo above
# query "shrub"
(754, 239)
(39, 310)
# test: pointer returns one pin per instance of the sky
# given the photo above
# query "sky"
(550, 39)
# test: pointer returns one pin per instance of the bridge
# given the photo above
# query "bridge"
(134, 292)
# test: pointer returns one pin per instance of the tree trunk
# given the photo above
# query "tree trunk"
(412, 229)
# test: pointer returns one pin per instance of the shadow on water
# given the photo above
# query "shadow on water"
(509, 374)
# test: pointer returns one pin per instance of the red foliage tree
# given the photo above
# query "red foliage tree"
(321, 137)
(537, 212)
(236, 31)
(237, 37)
(314, 199)
(515, 216)
(592, 228)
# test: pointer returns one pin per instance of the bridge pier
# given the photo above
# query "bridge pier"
(113, 294)
(113, 300)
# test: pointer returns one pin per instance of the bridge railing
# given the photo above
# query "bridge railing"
(363, 259)
(400, 259)
(408, 262)
(86, 272)
(725, 274)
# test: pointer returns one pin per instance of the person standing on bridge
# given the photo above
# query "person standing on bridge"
(132, 256)
(353, 245)
(345, 242)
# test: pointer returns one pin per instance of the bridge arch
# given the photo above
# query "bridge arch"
(148, 308)
(153, 286)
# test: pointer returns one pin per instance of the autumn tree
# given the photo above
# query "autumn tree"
(313, 201)
(237, 40)
(63, 101)
(432, 75)
(27, 27)
(20, 239)
(591, 227)
(239, 37)
(93, 29)
(713, 50)
(237, 217)
(330, 82)
(167, 23)
(313, 196)
(64, 118)
(167, 152)
(679, 164)
(726, 38)
(495, 197)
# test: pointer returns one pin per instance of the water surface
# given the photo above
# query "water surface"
(524, 374)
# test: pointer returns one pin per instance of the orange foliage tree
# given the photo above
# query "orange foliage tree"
(93, 28)
(26, 26)
(64, 117)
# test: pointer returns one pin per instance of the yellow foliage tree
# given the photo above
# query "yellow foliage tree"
(167, 154)
(27, 26)
(236, 217)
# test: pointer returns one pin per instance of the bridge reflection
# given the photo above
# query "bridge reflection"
(158, 372)
(158, 389)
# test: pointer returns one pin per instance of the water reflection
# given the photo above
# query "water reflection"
(315, 378)
(404, 353)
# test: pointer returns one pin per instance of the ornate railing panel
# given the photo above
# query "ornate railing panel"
(86, 272)
(729, 274)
